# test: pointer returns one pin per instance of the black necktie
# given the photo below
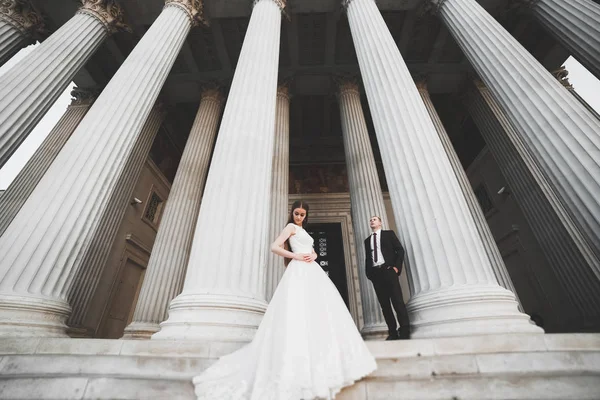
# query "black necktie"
(375, 247)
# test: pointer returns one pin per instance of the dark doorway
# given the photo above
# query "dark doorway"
(329, 246)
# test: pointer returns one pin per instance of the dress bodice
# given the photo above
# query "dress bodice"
(301, 242)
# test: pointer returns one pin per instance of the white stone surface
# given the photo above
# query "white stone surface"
(21, 187)
(576, 25)
(32, 85)
(485, 367)
(366, 197)
(224, 289)
(454, 288)
(489, 243)
(279, 187)
(560, 132)
(19, 22)
(12, 40)
(94, 256)
(42, 246)
(568, 253)
(164, 275)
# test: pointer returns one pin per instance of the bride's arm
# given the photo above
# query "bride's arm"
(314, 255)
(277, 245)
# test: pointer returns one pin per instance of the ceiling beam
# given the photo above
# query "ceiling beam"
(220, 45)
(407, 31)
(332, 23)
(293, 41)
(439, 45)
(322, 70)
(188, 57)
(111, 45)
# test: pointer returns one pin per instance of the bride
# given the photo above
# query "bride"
(306, 347)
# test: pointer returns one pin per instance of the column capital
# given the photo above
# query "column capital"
(347, 85)
(109, 12)
(194, 9)
(421, 82)
(434, 6)
(212, 93)
(83, 97)
(22, 15)
(561, 76)
(346, 3)
(283, 90)
(527, 3)
(280, 3)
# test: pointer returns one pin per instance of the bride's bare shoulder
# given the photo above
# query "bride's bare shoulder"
(291, 228)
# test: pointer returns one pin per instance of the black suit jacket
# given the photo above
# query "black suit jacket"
(393, 252)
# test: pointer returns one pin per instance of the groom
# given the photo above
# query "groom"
(383, 264)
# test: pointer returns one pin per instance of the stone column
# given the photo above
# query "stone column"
(449, 271)
(32, 86)
(20, 24)
(21, 187)
(95, 256)
(366, 197)
(566, 250)
(489, 243)
(223, 295)
(279, 186)
(166, 269)
(559, 131)
(42, 247)
(575, 24)
(561, 75)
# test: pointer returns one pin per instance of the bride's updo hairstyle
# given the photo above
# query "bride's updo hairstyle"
(297, 204)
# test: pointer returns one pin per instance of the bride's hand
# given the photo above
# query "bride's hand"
(303, 257)
(313, 257)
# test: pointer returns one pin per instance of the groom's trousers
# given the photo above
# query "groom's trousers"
(389, 293)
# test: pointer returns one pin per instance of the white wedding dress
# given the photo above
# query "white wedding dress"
(306, 347)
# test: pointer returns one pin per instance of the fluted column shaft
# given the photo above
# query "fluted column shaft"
(21, 187)
(366, 197)
(489, 243)
(575, 24)
(568, 254)
(559, 131)
(561, 75)
(449, 271)
(95, 256)
(19, 24)
(279, 186)
(43, 245)
(166, 269)
(30, 88)
(223, 296)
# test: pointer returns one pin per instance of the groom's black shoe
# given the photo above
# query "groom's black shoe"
(404, 333)
(393, 336)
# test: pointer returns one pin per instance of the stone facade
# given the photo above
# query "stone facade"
(358, 107)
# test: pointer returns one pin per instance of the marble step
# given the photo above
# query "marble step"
(478, 368)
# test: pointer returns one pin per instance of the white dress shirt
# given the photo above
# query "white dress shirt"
(380, 259)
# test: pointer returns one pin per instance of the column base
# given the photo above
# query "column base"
(374, 332)
(80, 332)
(140, 330)
(467, 310)
(26, 316)
(217, 317)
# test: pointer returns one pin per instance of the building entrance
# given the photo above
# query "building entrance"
(329, 246)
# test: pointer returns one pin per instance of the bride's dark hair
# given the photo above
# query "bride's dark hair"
(297, 204)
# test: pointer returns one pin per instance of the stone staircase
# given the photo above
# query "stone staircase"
(479, 368)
